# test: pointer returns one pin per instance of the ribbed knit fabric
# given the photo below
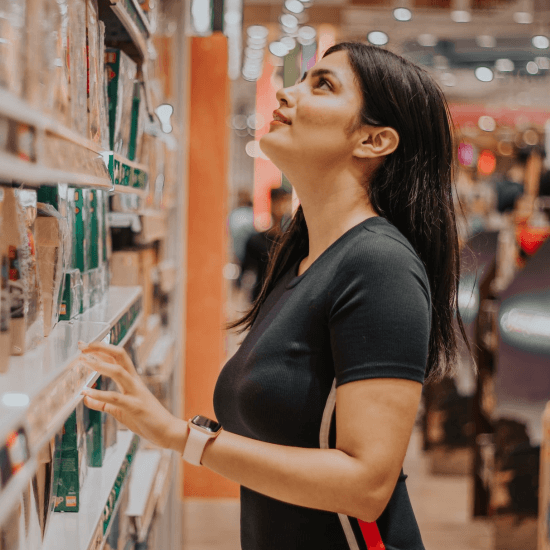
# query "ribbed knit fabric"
(361, 310)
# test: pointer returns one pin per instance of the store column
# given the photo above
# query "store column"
(209, 108)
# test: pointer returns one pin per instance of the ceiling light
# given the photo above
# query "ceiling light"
(532, 67)
(461, 16)
(486, 41)
(258, 32)
(541, 42)
(306, 35)
(294, 6)
(378, 38)
(288, 20)
(543, 62)
(289, 42)
(427, 40)
(524, 12)
(504, 65)
(278, 49)
(449, 79)
(487, 123)
(484, 74)
(402, 14)
(460, 11)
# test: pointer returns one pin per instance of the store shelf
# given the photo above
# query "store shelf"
(127, 176)
(42, 387)
(159, 364)
(89, 528)
(147, 488)
(77, 161)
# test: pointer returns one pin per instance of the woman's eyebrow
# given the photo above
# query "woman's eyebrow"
(320, 72)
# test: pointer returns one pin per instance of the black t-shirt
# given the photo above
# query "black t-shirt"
(361, 310)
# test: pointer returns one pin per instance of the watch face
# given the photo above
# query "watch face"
(206, 423)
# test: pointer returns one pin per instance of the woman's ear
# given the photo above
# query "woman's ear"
(376, 142)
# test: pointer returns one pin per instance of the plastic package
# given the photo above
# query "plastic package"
(26, 307)
(122, 74)
(77, 65)
(12, 25)
(53, 256)
(138, 122)
(103, 98)
(72, 295)
(93, 58)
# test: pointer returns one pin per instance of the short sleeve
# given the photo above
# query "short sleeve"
(379, 313)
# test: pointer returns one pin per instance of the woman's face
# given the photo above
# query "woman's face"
(320, 108)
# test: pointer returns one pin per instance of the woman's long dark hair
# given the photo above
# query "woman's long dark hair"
(412, 189)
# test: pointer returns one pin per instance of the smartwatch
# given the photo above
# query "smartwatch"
(201, 430)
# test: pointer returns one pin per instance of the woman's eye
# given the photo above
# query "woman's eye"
(323, 81)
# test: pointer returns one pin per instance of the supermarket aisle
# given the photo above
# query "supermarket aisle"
(440, 502)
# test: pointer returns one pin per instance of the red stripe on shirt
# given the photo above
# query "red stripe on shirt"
(371, 534)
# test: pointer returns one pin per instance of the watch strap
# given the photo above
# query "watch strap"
(195, 444)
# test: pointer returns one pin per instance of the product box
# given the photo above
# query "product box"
(26, 329)
(133, 268)
(103, 100)
(121, 76)
(12, 45)
(77, 66)
(101, 428)
(138, 122)
(70, 463)
(51, 230)
(5, 344)
(93, 70)
(72, 295)
(92, 226)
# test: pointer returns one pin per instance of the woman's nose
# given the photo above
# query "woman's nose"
(286, 95)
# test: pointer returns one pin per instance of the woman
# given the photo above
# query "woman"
(356, 312)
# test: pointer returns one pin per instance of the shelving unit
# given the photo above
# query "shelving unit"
(88, 529)
(47, 146)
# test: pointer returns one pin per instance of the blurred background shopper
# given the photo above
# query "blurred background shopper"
(258, 245)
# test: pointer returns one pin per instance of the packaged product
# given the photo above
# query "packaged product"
(138, 122)
(134, 268)
(77, 66)
(42, 485)
(121, 76)
(100, 427)
(70, 462)
(60, 72)
(4, 296)
(43, 52)
(93, 70)
(26, 308)
(103, 98)
(53, 257)
(77, 202)
(12, 43)
(72, 295)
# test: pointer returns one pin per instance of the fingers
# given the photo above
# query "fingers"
(117, 353)
(122, 378)
(98, 403)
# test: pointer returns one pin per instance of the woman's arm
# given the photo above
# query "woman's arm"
(374, 423)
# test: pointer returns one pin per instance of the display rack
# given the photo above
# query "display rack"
(44, 384)
(88, 529)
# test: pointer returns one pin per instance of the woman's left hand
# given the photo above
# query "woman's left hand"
(135, 406)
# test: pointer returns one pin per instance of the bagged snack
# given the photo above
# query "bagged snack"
(77, 65)
(51, 252)
(93, 70)
(26, 307)
(121, 76)
(12, 43)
